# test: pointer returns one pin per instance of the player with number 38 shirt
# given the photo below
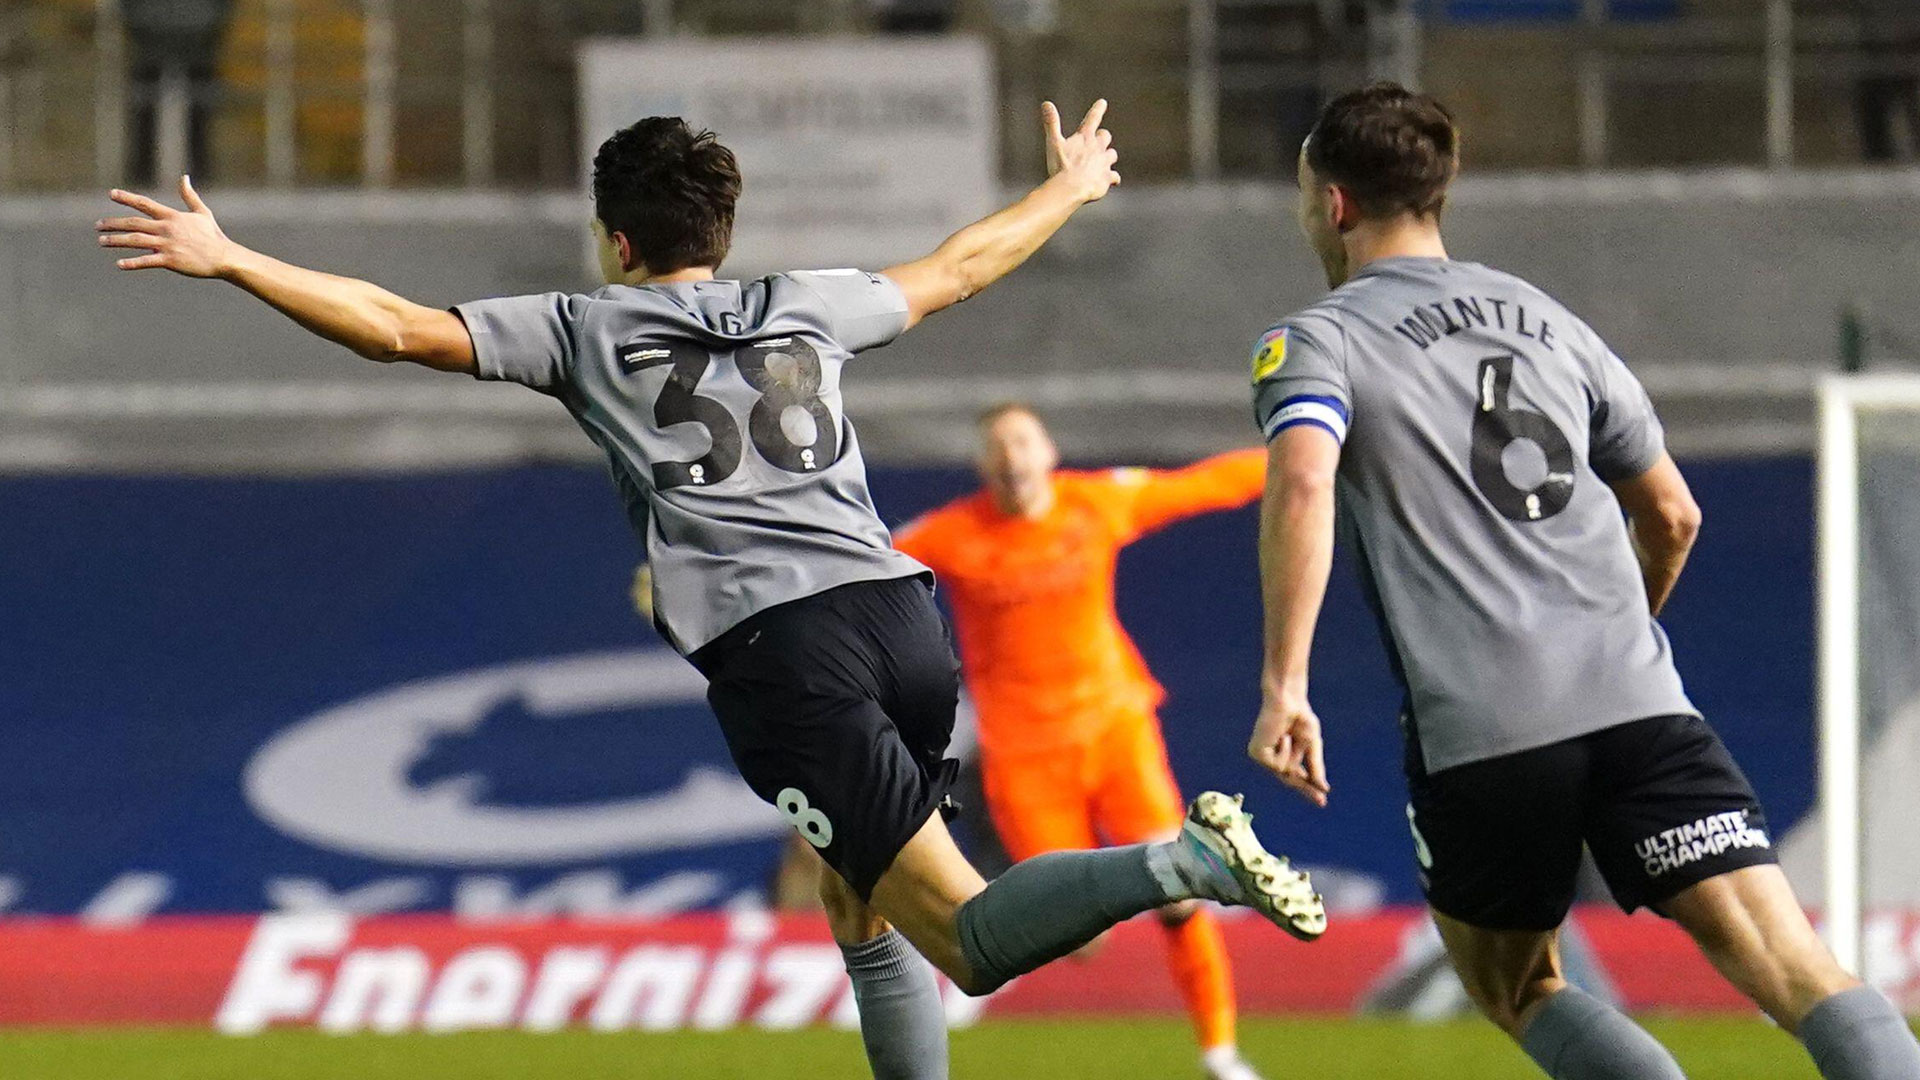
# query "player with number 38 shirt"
(712, 399)
(829, 667)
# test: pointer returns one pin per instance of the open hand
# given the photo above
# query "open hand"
(185, 241)
(1085, 158)
(1286, 742)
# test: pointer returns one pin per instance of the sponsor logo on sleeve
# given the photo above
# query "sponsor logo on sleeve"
(1270, 353)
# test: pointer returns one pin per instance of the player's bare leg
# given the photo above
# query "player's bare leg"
(921, 895)
(1750, 925)
(1043, 908)
(1508, 974)
(1514, 976)
(902, 1020)
(850, 920)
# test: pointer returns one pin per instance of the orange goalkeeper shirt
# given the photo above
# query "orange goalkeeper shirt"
(1046, 659)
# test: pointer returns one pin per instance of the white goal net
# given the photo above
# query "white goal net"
(1862, 857)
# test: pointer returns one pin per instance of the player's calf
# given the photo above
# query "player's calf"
(1514, 977)
(903, 1022)
(1574, 1036)
(1750, 925)
(1046, 907)
(1508, 974)
(1857, 1034)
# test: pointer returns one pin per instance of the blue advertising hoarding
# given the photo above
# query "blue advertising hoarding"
(430, 692)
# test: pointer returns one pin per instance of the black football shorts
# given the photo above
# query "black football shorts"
(1659, 802)
(837, 709)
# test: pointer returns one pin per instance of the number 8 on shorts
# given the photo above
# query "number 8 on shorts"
(813, 824)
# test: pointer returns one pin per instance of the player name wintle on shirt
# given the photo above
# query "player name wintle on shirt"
(1430, 322)
(1673, 848)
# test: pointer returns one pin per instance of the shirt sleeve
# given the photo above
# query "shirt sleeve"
(1300, 377)
(524, 339)
(1151, 498)
(1626, 438)
(863, 310)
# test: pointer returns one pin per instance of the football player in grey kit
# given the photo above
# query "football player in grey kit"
(829, 668)
(1483, 443)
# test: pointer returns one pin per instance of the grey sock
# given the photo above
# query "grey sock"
(1048, 906)
(1857, 1034)
(1576, 1037)
(1184, 873)
(902, 1021)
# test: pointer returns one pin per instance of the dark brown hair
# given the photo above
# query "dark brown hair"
(1394, 151)
(671, 190)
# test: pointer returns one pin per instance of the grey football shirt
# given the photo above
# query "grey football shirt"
(718, 406)
(1480, 423)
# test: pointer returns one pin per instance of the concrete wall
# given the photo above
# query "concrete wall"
(1135, 323)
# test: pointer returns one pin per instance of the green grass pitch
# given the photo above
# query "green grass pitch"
(1320, 1049)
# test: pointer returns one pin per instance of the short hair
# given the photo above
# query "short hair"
(671, 189)
(992, 413)
(1394, 150)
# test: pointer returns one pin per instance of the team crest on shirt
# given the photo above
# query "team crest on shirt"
(1270, 353)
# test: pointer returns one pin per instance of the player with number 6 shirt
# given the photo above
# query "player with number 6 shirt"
(830, 668)
(1484, 443)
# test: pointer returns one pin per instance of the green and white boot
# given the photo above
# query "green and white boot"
(1224, 861)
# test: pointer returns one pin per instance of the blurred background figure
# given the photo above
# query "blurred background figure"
(1072, 756)
(173, 49)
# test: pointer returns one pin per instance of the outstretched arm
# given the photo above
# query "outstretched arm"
(1221, 482)
(364, 317)
(1080, 170)
(1296, 556)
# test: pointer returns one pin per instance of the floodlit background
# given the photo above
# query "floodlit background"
(283, 632)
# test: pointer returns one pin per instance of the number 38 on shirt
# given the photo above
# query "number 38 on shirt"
(789, 426)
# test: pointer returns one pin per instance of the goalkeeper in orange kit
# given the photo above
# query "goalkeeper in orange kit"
(1071, 752)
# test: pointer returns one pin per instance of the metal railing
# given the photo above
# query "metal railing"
(328, 92)
(1784, 54)
(1777, 53)
(480, 93)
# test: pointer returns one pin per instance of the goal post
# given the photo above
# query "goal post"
(1868, 517)
(1839, 666)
